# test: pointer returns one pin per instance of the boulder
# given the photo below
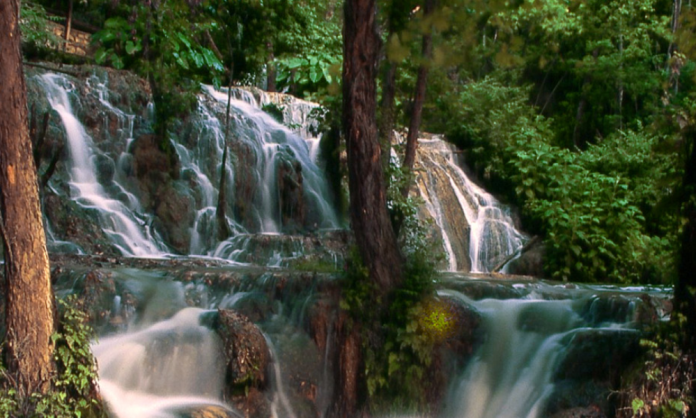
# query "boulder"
(246, 352)
(530, 262)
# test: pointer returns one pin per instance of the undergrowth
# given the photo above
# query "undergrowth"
(398, 340)
(663, 384)
(73, 391)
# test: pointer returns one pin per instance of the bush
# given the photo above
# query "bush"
(73, 391)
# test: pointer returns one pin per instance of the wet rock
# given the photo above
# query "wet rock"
(246, 352)
(530, 262)
(245, 185)
(105, 169)
(77, 225)
(152, 165)
(291, 194)
(208, 411)
(253, 404)
(598, 354)
(175, 211)
(587, 412)
(576, 399)
(453, 352)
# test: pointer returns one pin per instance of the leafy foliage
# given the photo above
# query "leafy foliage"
(36, 28)
(596, 208)
(73, 388)
(399, 340)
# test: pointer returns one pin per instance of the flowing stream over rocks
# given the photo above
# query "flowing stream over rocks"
(191, 325)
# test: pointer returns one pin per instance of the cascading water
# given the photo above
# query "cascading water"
(515, 370)
(272, 142)
(163, 369)
(453, 200)
(128, 230)
(165, 363)
(264, 145)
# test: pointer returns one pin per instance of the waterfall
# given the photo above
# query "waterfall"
(272, 142)
(162, 369)
(452, 200)
(513, 372)
(128, 230)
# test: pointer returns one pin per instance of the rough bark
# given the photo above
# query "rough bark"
(29, 301)
(386, 129)
(368, 204)
(685, 291)
(418, 100)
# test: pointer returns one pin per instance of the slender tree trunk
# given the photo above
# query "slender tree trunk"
(386, 130)
(224, 231)
(29, 301)
(270, 70)
(685, 291)
(68, 25)
(419, 99)
(368, 204)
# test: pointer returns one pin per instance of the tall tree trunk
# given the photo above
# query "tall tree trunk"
(68, 25)
(386, 129)
(29, 301)
(419, 98)
(270, 70)
(685, 291)
(368, 204)
(224, 230)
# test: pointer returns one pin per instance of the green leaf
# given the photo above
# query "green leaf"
(116, 61)
(181, 61)
(295, 62)
(100, 55)
(197, 59)
(211, 60)
(131, 48)
(314, 75)
(637, 405)
(184, 39)
(327, 74)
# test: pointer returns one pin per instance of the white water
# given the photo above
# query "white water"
(128, 230)
(511, 374)
(492, 235)
(266, 144)
(169, 366)
(267, 137)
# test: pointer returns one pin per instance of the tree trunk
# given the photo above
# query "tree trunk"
(224, 230)
(419, 99)
(270, 70)
(68, 25)
(386, 130)
(685, 291)
(368, 204)
(29, 301)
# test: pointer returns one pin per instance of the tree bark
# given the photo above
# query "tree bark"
(29, 300)
(685, 291)
(386, 130)
(419, 99)
(68, 25)
(368, 204)
(270, 70)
